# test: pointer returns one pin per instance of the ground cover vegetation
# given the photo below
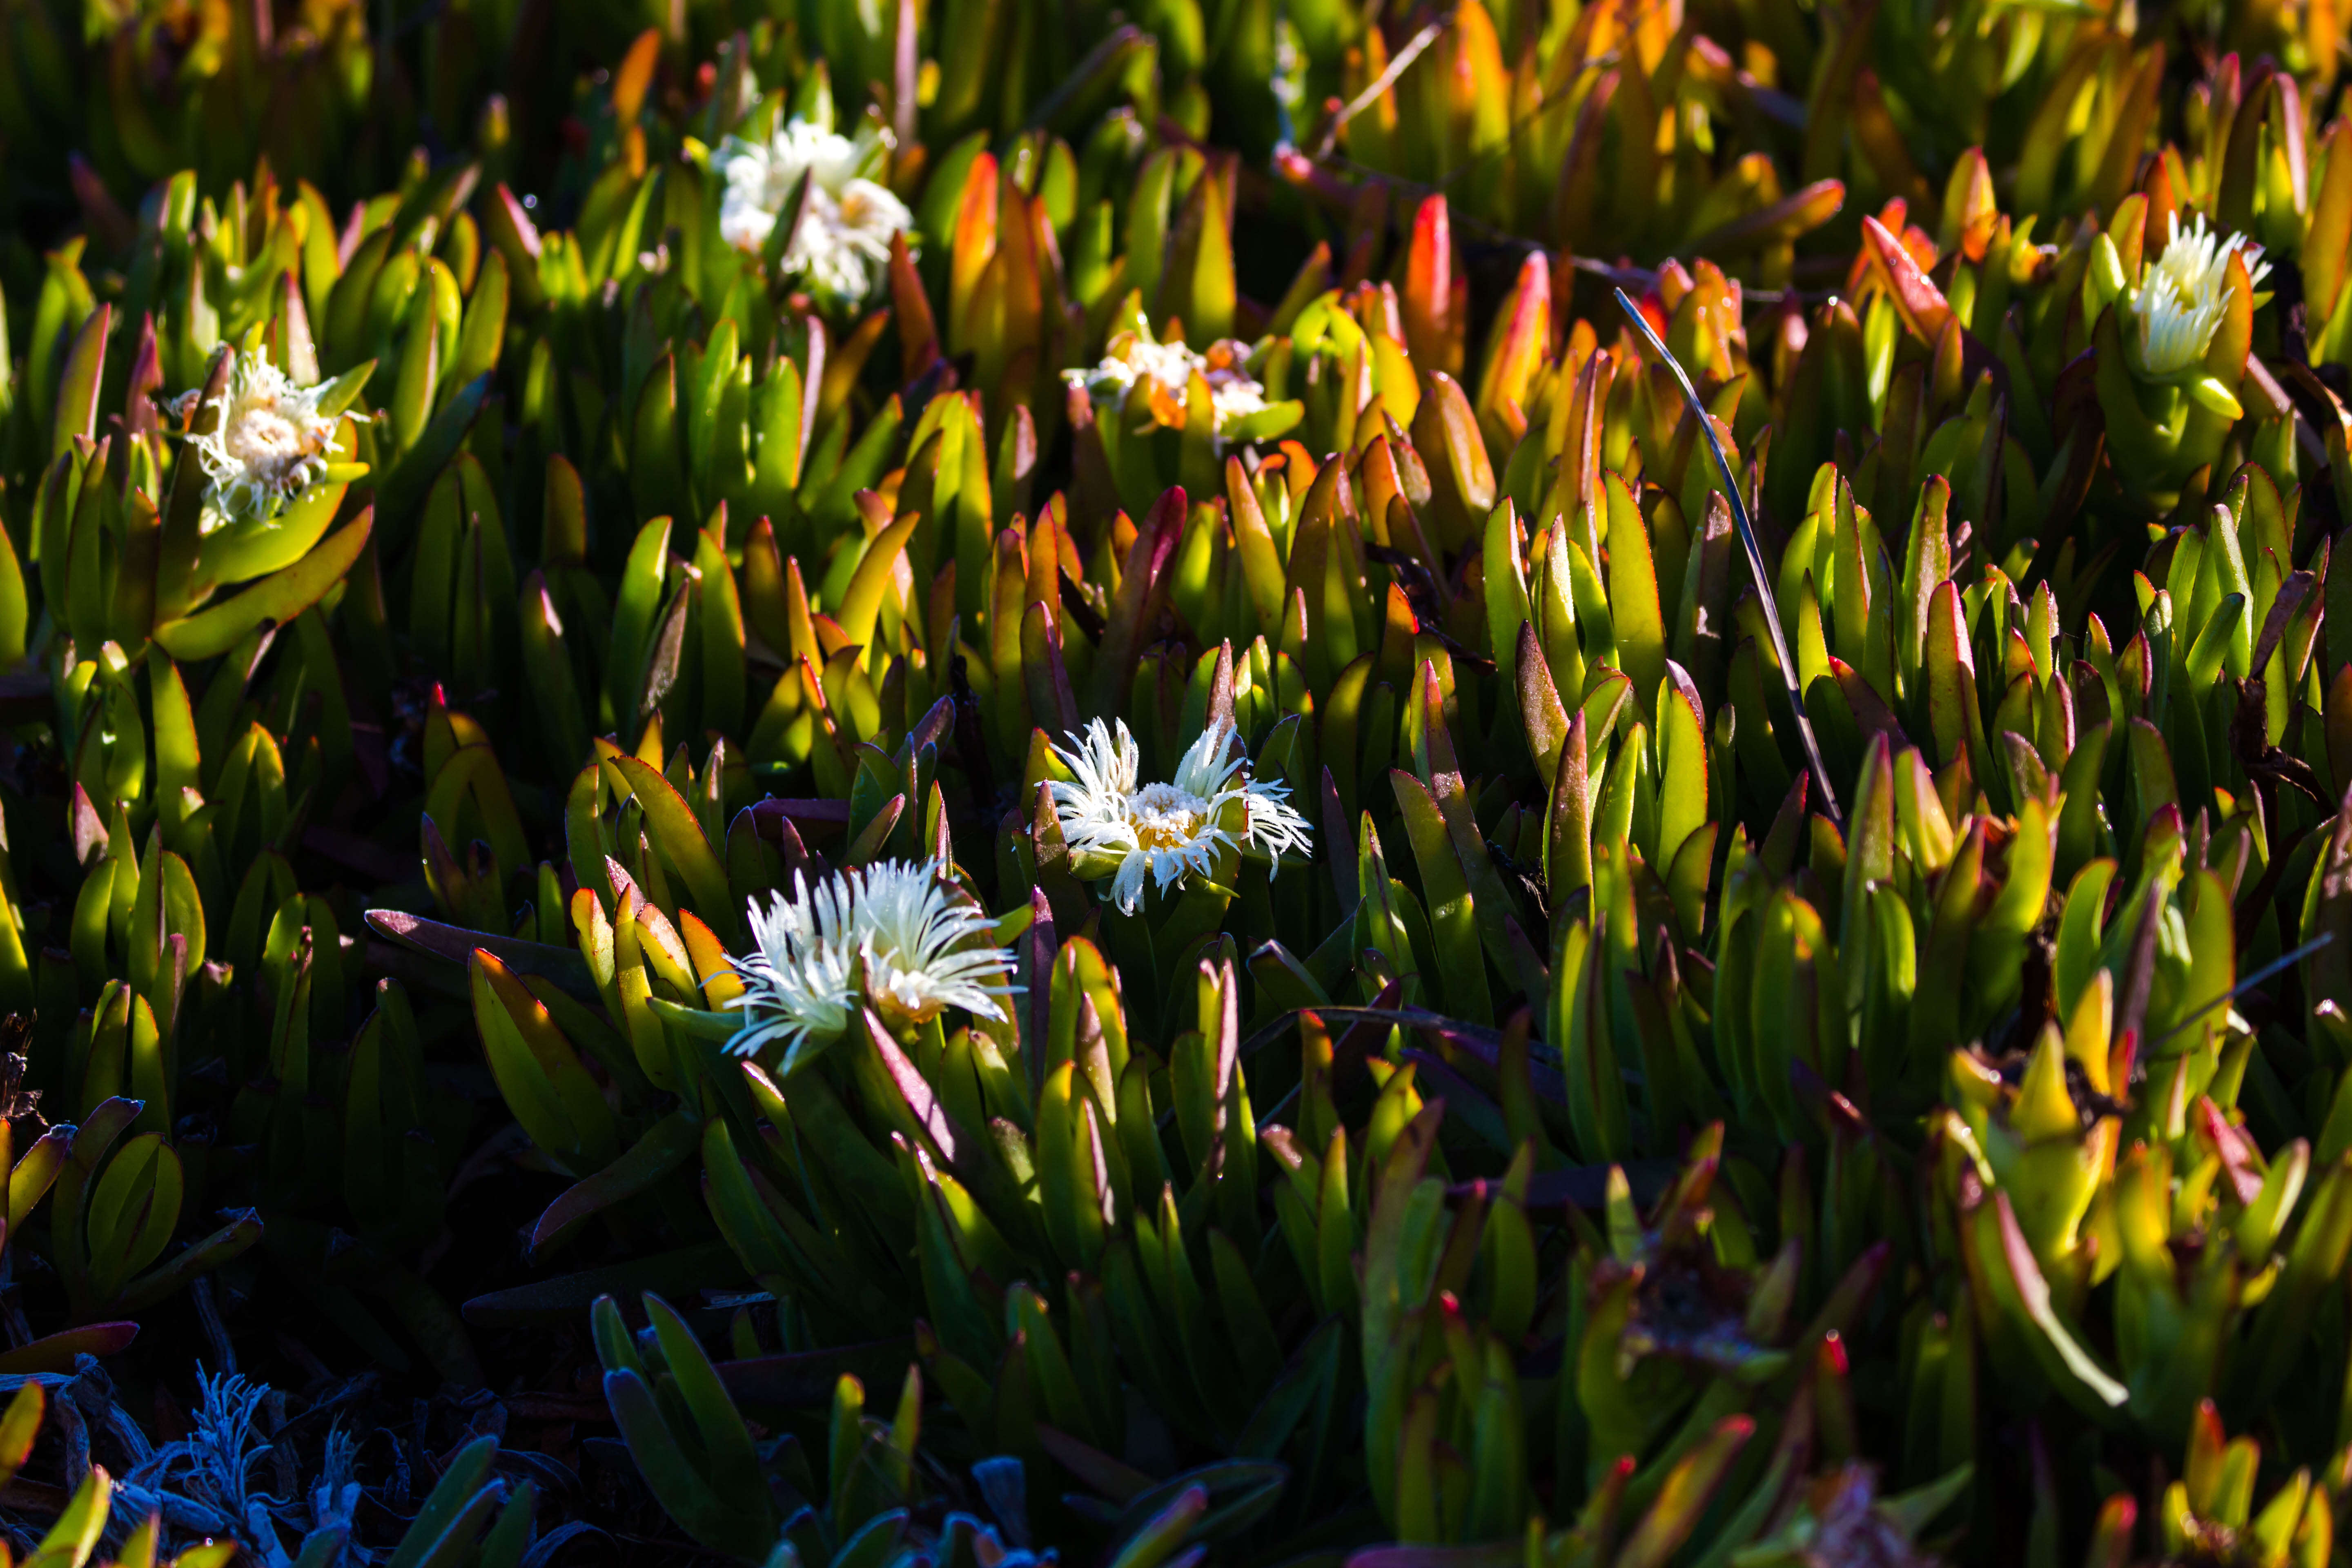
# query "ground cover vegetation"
(957, 782)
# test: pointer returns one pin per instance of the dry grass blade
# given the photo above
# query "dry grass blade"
(1756, 566)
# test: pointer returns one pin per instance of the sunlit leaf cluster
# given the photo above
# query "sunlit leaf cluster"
(1539, 781)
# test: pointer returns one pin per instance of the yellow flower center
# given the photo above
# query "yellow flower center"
(1166, 817)
(265, 441)
(897, 1008)
(889, 988)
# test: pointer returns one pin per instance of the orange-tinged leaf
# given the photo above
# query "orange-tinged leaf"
(635, 74)
(918, 337)
(1951, 677)
(1970, 207)
(1521, 335)
(537, 1072)
(2225, 356)
(973, 245)
(678, 835)
(1916, 299)
(658, 939)
(1431, 330)
(716, 970)
(1445, 433)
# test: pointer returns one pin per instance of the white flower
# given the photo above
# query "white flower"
(903, 920)
(267, 442)
(844, 239)
(2179, 303)
(843, 243)
(760, 176)
(1166, 831)
(1168, 369)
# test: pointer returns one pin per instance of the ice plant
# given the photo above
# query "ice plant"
(1170, 831)
(2183, 298)
(270, 439)
(899, 922)
(1265, 1211)
(2173, 334)
(1166, 370)
(844, 237)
